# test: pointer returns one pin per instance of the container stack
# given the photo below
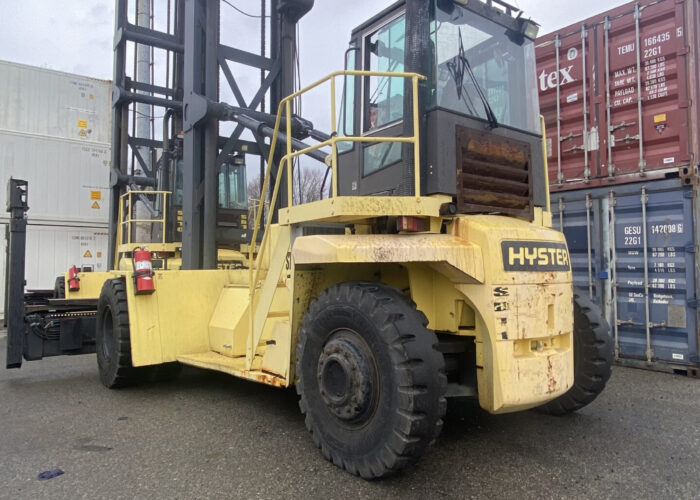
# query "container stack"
(619, 93)
(55, 133)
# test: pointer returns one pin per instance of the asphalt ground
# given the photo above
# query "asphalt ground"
(209, 435)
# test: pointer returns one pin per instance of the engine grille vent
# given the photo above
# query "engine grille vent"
(493, 174)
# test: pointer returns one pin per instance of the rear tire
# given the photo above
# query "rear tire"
(593, 356)
(113, 341)
(59, 288)
(370, 380)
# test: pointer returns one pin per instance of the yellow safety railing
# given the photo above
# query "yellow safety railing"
(286, 162)
(126, 204)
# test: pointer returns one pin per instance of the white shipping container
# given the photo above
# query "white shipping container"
(51, 250)
(68, 180)
(44, 102)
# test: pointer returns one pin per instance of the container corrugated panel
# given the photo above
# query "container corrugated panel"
(50, 103)
(68, 180)
(653, 313)
(601, 78)
(51, 250)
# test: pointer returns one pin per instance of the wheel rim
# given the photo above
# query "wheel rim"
(347, 378)
(107, 334)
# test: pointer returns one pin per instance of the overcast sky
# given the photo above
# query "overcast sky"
(76, 35)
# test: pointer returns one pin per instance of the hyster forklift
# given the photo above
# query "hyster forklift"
(428, 269)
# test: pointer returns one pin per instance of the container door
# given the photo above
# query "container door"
(564, 79)
(655, 318)
(642, 62)
(579, 220)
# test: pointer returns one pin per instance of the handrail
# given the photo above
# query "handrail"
(125, 220)
(285, 106)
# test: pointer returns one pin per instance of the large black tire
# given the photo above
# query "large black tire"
(593, 357)
(370, 380)
(112, 338)
(59, 288)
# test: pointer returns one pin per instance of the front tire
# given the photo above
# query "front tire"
(113, 341)
(593, 357)
(370, 380)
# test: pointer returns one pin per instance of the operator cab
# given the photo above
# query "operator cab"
(232, 211)
(479, 113)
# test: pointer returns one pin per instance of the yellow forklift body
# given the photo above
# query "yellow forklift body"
(521, 321)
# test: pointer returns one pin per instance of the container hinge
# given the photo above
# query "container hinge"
(628, 322)
(622, 124)
(628, 138)
(573, 149)
(690, 249)
(692, 303)
(688, 195)
(571, 135)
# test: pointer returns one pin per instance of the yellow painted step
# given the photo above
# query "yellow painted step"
(211, 360)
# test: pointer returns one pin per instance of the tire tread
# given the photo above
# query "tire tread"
(413, 353)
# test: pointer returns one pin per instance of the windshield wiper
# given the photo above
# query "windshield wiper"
(458, 69)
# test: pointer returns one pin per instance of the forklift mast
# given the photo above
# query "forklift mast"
(191, 163)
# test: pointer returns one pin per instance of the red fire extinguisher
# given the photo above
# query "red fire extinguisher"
(143, 271)
(73, 280)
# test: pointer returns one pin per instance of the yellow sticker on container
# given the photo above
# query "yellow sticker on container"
(95, 195)
(99, 255)
(87, 255)
(96, 206)
(660, 118)
(82, 123)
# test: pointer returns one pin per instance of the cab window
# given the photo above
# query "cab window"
(384, 95)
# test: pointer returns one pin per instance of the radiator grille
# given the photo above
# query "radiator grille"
(493, 174)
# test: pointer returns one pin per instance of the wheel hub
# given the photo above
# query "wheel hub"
(346, 378)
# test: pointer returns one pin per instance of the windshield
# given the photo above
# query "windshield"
(479, 59)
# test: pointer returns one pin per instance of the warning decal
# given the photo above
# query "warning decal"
(87, 255)
(96, 205)
(95, 195)
(82, 123)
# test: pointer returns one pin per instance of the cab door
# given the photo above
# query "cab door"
(375, 168)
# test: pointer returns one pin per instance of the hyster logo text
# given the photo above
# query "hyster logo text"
(535, 256)
(551, 80)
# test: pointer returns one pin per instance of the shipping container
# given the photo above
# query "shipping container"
(44, 102)
(52, 249)
(619, 93)
(634, 252)
(55, 133)
(68, 180)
